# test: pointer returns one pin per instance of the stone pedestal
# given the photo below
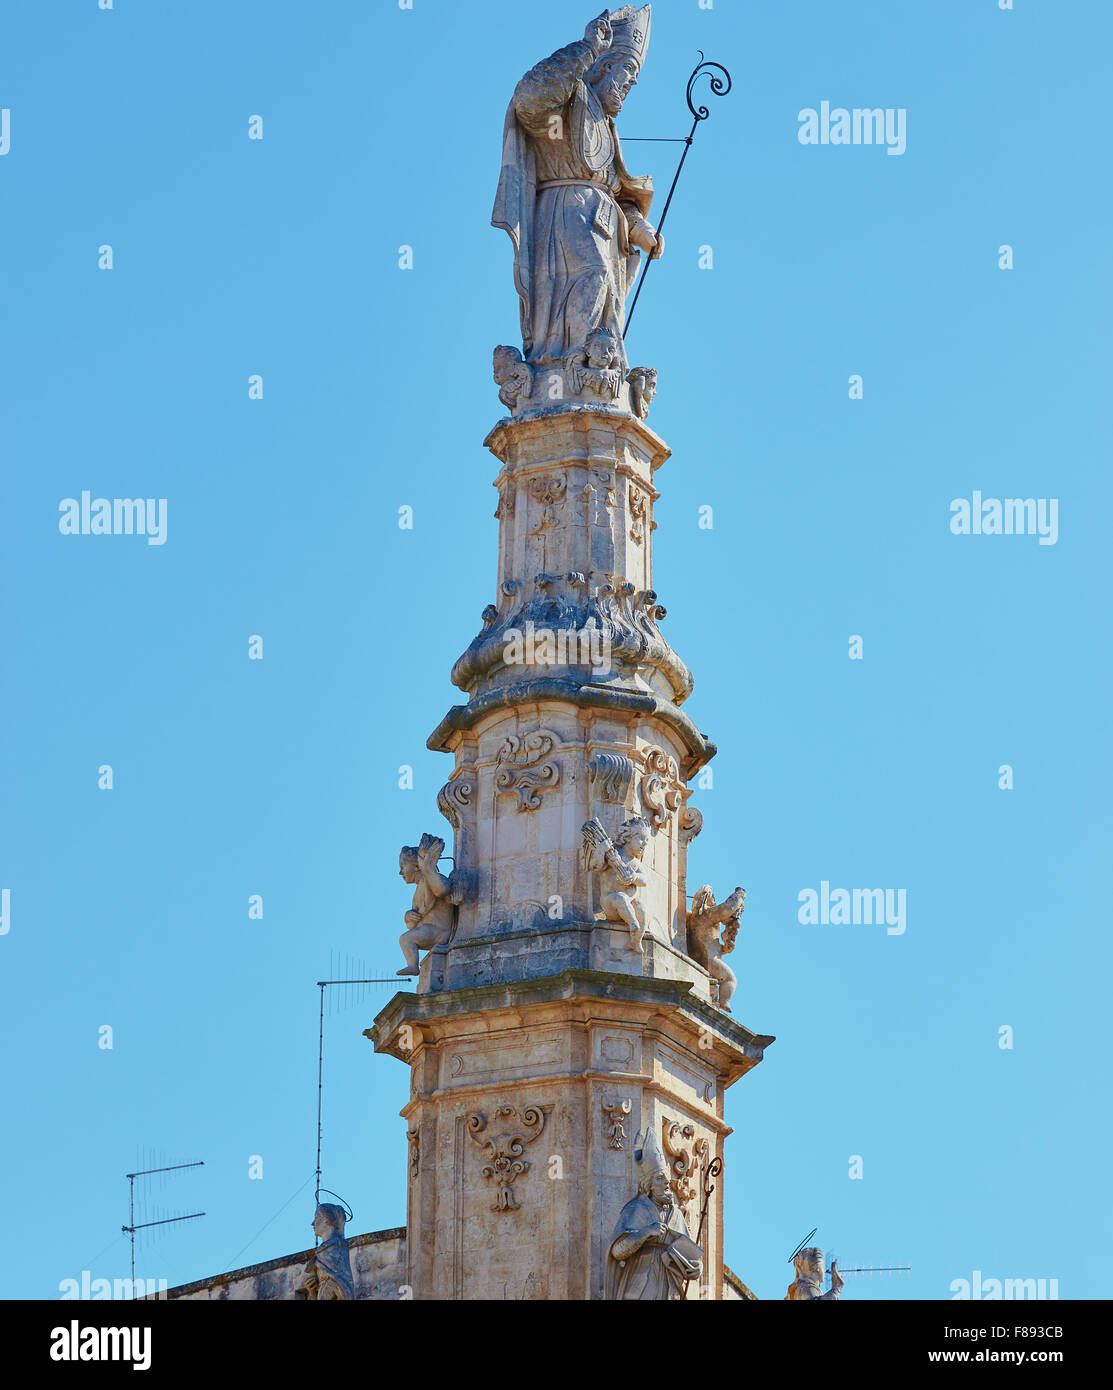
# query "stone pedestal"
(526, 1099)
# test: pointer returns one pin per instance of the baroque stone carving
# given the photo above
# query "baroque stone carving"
(504, 1150)
(705, 918)
(616, 1111)
(430, 918)
(454, 798)
(643, 387)
(506, 498)
(513, 377)
(549, 491)
(622, 875)
(327, 1276)
(413, 1138)
(807, 1287)
(682, 1151)
(595, 370)
(651, 1255)
(689, 823)
(523, 769)
(637, 514)
(611, 775)
(661, 793)
(626, 617)
(574, 214)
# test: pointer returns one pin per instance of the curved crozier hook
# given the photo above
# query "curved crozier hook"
(719, 87)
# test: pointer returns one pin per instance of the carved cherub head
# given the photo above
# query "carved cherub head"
(643, 387)
(634, 836)
(506, 361)
(407, 863)
(601, 348)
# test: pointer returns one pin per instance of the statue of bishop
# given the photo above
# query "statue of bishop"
(575, 215)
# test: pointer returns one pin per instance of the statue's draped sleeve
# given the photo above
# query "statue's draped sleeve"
(550, 86)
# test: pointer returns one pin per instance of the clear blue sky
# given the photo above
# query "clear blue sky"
(278, 777)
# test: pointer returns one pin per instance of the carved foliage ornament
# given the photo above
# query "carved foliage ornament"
(683, 1152)
(504, 1149)
(522, 767)
(691, 823)
(454, 798)
(661, 793)
(611, 775)
(637, 514)
(616, 1111)
(549, 491)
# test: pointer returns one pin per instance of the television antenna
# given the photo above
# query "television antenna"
(351, 994)
(134, 1226)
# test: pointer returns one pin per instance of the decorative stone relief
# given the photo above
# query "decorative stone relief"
(637, 514)
(622, 875)
(678, 1140)
(661, 793)
(413, 1137)
(523, 769)
(705, 918)
(611, 775)
(690, 823)
(596, 370)
(643, 387)
(513, 377)
(549, 491)
(455, 797)
(504, 1150)
(506, 498)
(616, 1111)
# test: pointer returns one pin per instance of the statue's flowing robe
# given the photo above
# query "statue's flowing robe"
(645, 1274)
(573, 261)
(329, 1272)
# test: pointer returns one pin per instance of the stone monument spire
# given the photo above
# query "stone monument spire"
(566, 999)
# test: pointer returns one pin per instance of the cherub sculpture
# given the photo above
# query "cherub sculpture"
(514, 378)
(596, 368)
(643, 387)
(619, 862)
(429, 920)
(328, 1274)
(704, 945)
(807, 1287)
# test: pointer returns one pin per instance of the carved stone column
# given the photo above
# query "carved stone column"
(538, 1021)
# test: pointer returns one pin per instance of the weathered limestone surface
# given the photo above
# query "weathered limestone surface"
(378, 1267)
(568, 999)
(542, 1067)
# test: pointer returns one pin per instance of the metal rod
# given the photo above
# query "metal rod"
(699, 113)
(193, 1215)
(143, 1172)
(320, 1072)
